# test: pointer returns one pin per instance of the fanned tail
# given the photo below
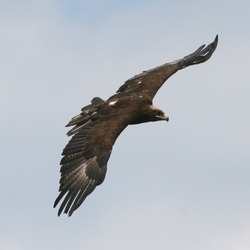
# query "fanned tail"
(80, 120)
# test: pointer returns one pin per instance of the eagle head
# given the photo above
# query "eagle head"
(155, 114)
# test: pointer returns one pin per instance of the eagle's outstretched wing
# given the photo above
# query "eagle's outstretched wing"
(85, 157)
(150, 81)
(83, 168)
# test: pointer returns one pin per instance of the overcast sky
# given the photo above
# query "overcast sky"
(177, 185)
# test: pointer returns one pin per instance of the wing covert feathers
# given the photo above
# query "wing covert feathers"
(151, 80)
(96, 128)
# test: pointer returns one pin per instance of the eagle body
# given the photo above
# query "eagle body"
(96, 128)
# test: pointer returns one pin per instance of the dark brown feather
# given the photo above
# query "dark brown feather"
(96, 128)
(151, 80)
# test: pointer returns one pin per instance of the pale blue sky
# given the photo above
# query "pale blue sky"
(177, 185)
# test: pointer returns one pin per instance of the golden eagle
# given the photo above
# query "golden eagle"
(96, 128)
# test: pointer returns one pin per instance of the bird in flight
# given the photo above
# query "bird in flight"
(96, 128)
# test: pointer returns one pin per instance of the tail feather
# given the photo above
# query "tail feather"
(80, 120)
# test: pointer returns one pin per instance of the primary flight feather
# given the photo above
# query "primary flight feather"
(96, 128)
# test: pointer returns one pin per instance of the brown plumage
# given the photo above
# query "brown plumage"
(96, 128)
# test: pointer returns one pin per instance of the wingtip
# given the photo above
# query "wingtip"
(54, 206)
(216, 41)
